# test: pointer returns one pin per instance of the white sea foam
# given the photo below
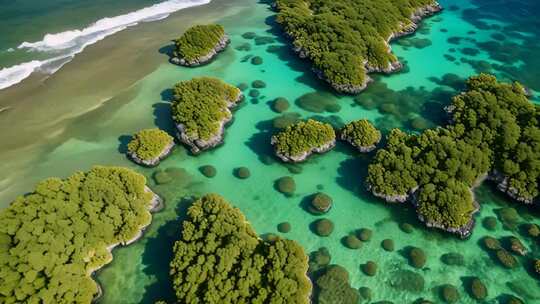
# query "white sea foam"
(65, 45)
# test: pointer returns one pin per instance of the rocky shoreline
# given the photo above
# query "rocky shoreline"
(198, 145)
(154, 161)
(361, 149)
(156, 205)
(416, 18)
(504, 186)
(302, 157)
(219, 47)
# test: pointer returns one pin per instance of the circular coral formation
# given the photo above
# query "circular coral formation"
(208, 171)
(257, 60)
(388, 245)
(161, 177)
(517, 247)
(404, 280)
(258, 84)
(284, 227)
(509, 217)
(242, 172)
(352, 242)
(242, 86)
(533, 230)
(285, 120)
(324, 227)
(417, 257)
(370, 268)
(491, 243)
(318, 102)
(478, 290)
(320, 203)
(449, 294)
(506, 259)
(365, 293)
(333, 108)
(453, 259)
(286, 185)
(490, 223)
(406, 227)
(280, 105)
(365, 234)
(249, 35)
(254, 93)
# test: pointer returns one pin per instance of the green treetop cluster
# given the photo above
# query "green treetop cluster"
(361, 133)
(149, 144)
(494, 126)
(220, 259)
(201, 104)
(198, 41)
(53, 238)
(303, 137)
(342, 37)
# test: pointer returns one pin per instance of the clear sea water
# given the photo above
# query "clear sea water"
(97, 135)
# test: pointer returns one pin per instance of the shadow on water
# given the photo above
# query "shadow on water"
(167, 95)
(123, 143)
(167, 50)
(158, 254)
(163, 117)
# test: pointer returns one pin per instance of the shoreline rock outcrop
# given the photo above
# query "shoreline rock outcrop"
(197, 145)
(220, 46)
(154, 161)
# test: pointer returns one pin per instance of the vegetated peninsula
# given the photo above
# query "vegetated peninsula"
(298, 141)
(494, 133)
(346, 40)
(148, 147)
(199, 44)
(361, 134)
(53, 239)
(201, 109)
(220, 259)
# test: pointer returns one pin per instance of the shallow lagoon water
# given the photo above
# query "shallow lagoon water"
(139, 273)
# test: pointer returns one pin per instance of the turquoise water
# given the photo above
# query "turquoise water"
(413, 100)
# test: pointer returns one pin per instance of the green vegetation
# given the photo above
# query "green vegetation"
(150, 144)
(198, 41)
(54, 238)
(220, 259)
(494, 129)
(345, 40)
(334, 287)
(537, 266)
(370, 268)
(323, 227)
(361, 134)
(299, 140)
(201, 108)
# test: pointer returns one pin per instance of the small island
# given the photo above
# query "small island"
(201, 109)
(54, 238)
(298, 141)
(220, 259)
(493, 133)
(347, 40)
(148, 147)
(199, 44)
(361, 134)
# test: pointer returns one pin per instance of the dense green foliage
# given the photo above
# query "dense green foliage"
(334, 287)
(52, 239)
(342, 37)
(148, 144)
(303, 137)
(201, 104)
(220, 259)
(494, 127)
(361, 133)
(198, 41)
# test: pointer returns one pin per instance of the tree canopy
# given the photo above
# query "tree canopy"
(361, 133)
(346, 39)
(494, 130)
(220, 259)
(303, 137)
(52, 239)
(198, 41)
(202, 105)
(149, 144)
